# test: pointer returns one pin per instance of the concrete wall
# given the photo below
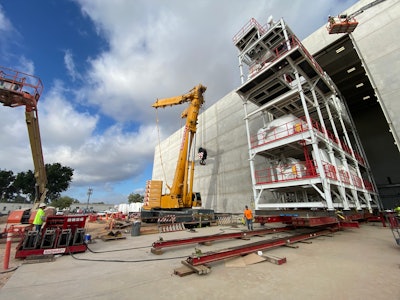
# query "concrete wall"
(378, 40)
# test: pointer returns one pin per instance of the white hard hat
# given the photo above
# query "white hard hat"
(42, 205)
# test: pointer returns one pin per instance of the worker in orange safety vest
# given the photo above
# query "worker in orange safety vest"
(248, 217)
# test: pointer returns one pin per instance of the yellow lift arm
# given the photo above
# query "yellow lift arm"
(32, 123)
(21, 89)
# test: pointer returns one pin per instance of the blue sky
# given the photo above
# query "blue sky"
(103, 63)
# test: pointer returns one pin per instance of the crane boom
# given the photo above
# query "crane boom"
(181, 190)
(365, 7)
(20, 89)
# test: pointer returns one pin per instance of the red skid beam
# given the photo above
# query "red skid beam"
(216, 237)
(272, 219)
(253, 247)
(350, 224)
(313, 221)
(355, 217)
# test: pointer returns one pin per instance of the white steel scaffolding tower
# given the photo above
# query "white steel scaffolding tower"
(304, 151)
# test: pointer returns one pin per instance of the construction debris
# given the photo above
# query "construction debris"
(113, 236)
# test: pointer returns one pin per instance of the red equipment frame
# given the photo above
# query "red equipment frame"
(59, 235)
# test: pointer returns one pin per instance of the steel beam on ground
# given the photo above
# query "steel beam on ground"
(272, 219)
(158, 245)
(350, 224)
(253, 247)
(313, 221)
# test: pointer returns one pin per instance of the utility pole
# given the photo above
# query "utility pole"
(89, 193)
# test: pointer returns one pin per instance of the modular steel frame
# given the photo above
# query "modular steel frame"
(304, 150)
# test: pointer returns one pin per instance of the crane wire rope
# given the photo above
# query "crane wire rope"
(159, 148)
(203, 126)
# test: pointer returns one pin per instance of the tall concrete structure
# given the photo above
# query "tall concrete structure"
(363, 65)
(372, 90)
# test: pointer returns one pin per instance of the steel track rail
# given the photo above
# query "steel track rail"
(158, 245)
(208, 257)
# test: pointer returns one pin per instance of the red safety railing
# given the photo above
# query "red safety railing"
(307, 169)
(359, 158)
(296, 171)
(317, 126)
(344, 176)
(20, 82)
(280, 132)
(297, 126)
(278, 51)
(341, 25)
(347, 149)
(368, 185)
(246, 28)
(282, 48)
(310, 57)
(357, 181)
(330, 170)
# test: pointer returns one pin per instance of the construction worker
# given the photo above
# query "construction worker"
(397, 210)
(248, 217)
(40, 217)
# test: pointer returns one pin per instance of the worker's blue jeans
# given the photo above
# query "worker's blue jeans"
(249, 223)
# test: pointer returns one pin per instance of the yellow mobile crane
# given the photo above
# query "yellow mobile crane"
(20, 89)
(181, 199)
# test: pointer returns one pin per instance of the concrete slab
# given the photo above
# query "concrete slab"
(355, 264)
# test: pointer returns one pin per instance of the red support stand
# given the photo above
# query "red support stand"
(7, 252)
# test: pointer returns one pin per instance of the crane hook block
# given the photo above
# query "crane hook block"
(202, 153)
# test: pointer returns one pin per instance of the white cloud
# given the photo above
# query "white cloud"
(156, 49)
(70, 65)
(61, 123)
(70, 137)
(161, 48)
(115, 155)
(14, 140)
(9, 36)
